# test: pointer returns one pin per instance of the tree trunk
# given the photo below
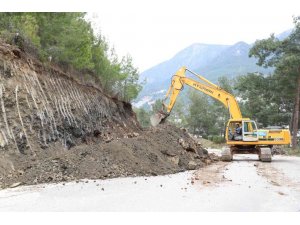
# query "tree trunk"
(291, 122)
(296, 114)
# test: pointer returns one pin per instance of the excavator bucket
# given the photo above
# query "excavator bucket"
(158, 118)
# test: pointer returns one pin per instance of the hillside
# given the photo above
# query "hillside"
(56, 128)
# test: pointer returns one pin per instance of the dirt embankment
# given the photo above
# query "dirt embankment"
(54, 128)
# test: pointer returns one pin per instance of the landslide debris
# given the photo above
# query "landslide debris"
(152, 152)
(56, 128)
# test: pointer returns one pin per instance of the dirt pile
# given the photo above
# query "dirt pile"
(55, 128)
(151, 152)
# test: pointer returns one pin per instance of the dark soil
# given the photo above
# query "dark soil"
(154, 152)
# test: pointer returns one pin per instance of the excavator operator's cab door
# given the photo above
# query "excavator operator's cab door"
(249, 130)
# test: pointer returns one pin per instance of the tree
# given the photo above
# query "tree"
(221, 113)
(130, 85)
(102, 64)
(179, 112)
(285, 57)
(26, 25)
(143, 116)
(157, 105)
(201, 118)
(263, 98)
(67, 39)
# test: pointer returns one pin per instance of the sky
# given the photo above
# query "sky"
(154, 31)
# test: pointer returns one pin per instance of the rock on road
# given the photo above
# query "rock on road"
(242, 185)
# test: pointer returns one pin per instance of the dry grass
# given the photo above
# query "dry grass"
(293, 152)
(209, 144)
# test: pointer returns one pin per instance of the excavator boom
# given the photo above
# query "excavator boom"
(177, 84)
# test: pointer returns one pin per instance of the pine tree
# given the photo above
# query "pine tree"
(285, 57)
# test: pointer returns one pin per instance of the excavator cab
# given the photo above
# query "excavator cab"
(250, 131)
(242, 130)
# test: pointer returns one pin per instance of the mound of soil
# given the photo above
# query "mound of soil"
(161, 150)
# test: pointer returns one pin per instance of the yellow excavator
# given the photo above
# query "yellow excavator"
(242, 135)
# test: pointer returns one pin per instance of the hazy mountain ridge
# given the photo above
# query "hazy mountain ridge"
(157, 76)
(209, 60)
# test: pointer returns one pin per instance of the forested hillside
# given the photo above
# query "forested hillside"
(68, 40)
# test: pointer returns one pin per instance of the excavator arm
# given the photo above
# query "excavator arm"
(177, 84)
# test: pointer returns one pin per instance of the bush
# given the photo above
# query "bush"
(217, 139)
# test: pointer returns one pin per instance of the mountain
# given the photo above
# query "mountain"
(159, 76)
(284, 34)
(209, 60)
(233, 61)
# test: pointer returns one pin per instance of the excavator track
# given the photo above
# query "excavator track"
(265, 155)
(226, 154)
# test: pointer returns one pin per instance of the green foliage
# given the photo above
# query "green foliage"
(24, 23)
(157, 106)
(264, 98)
(201, 118)
(291, 151)
(130, 76)
(143, 117)
(68, 39)
(216, 139)
(267, 51)
(179, 112)
(221, 113)
(108, 70)
(285, 57)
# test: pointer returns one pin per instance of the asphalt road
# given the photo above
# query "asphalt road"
(242, 185)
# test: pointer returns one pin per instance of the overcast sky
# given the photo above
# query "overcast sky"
(154, 30)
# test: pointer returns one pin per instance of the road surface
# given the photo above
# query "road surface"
(242, 185)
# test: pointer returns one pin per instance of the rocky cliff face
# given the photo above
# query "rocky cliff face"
(41, 105)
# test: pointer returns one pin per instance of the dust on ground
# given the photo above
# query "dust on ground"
(275, 176)
(210, 176)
